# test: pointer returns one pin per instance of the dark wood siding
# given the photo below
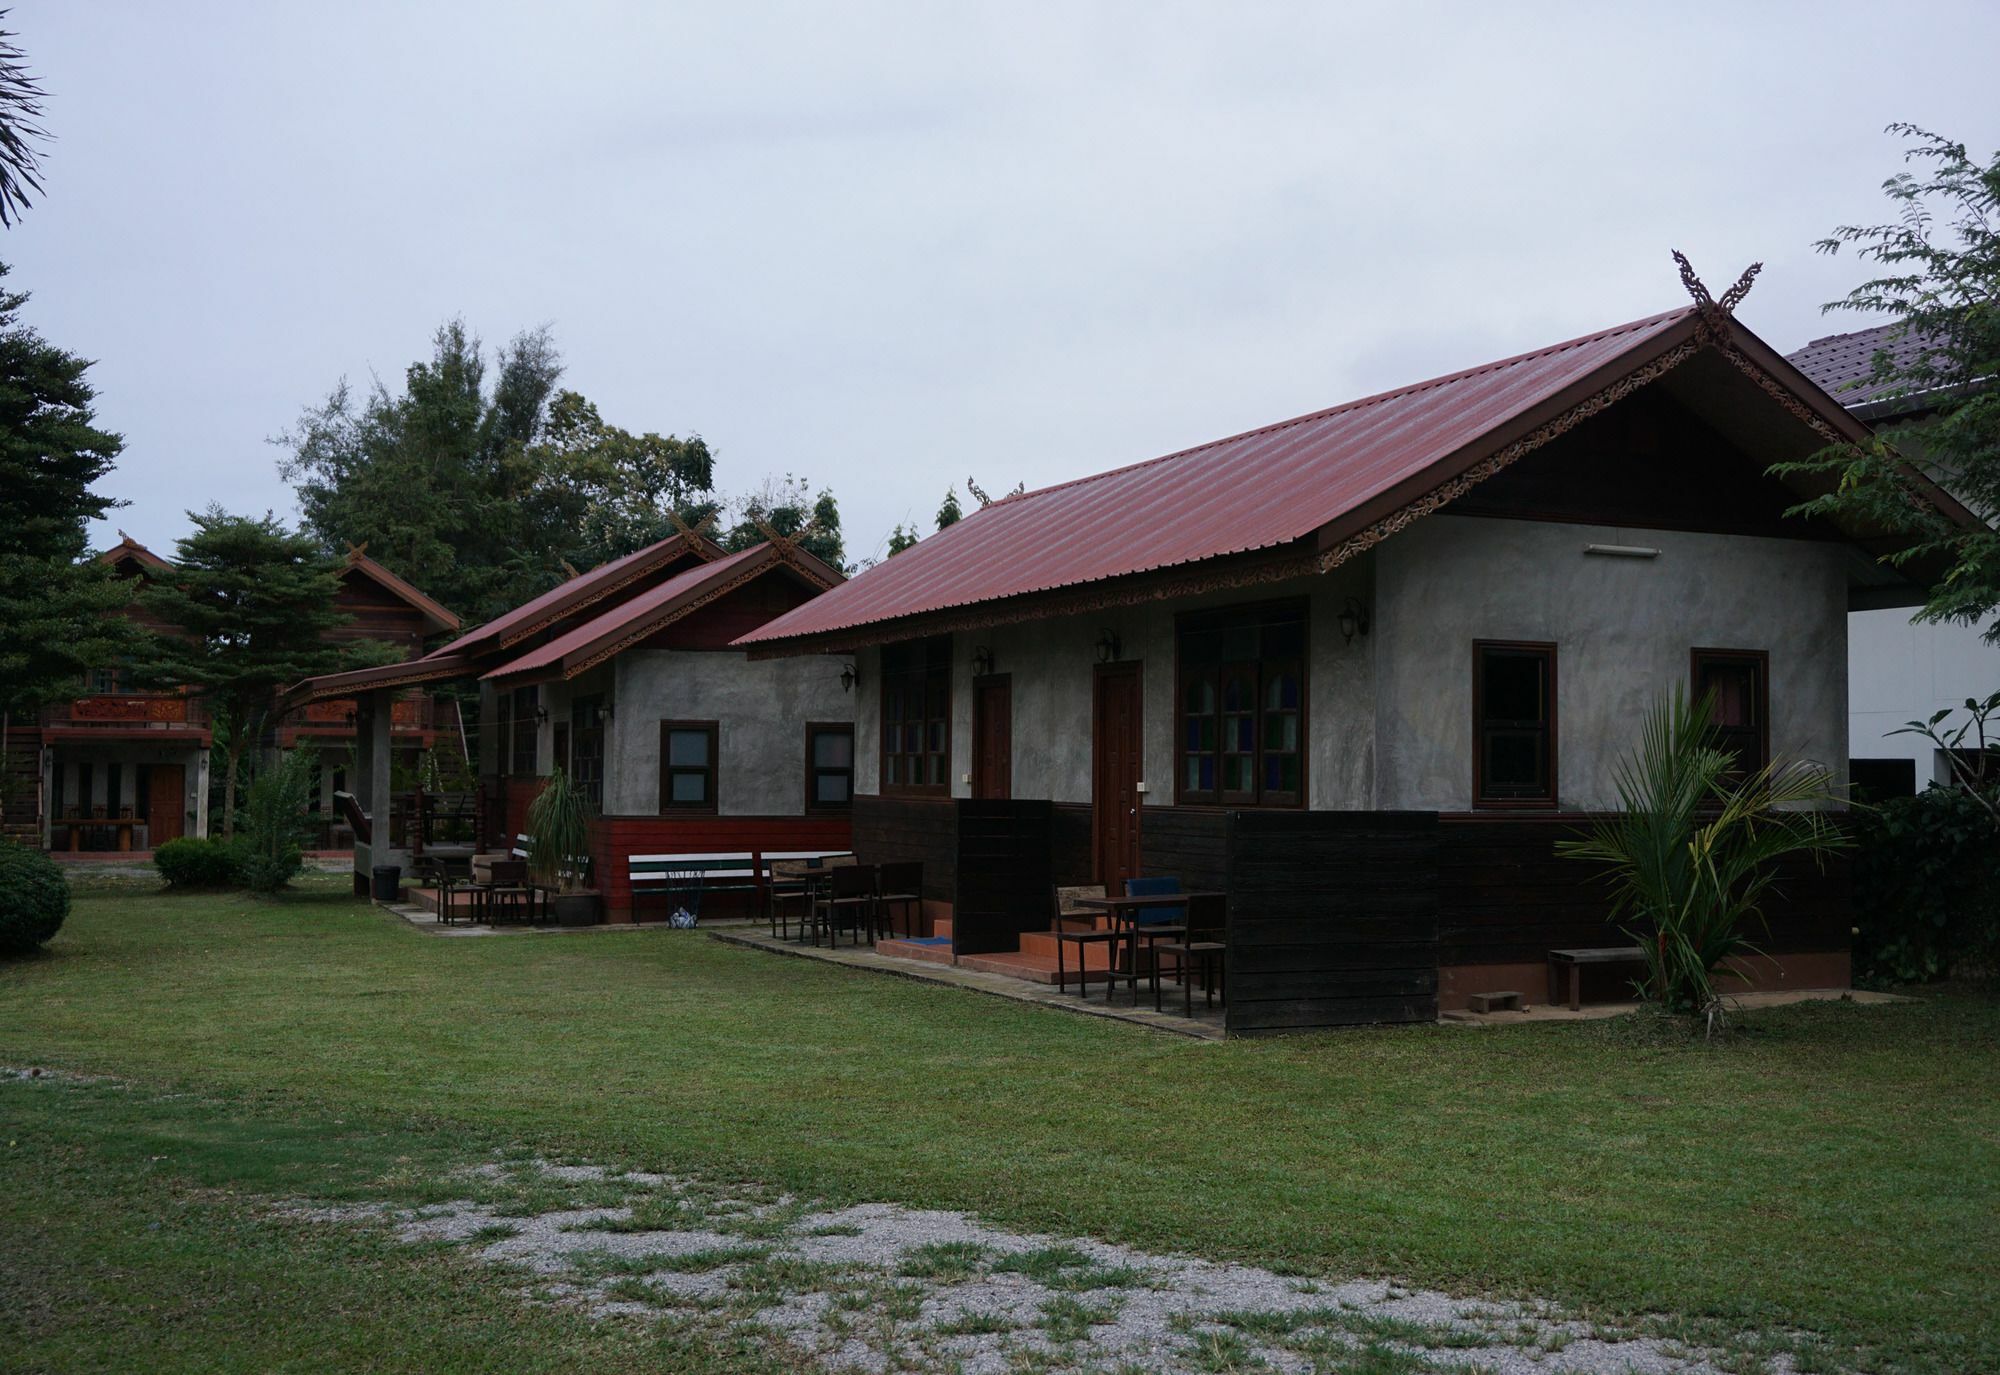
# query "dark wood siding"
(910, 829)
(1188, 843)
(1069, 844)
(1506, 897)
(615, 839)
(1332, 919)
(1003, 874)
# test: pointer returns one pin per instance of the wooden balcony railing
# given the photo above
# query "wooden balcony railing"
(125, 710)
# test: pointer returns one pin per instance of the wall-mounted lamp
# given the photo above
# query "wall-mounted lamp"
(1353, 620)
(982, 662)
(1109, 647)
(850, 677)
(541, 714)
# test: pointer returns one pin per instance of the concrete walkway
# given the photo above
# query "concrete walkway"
(1205, 1025)
(1740, 1002)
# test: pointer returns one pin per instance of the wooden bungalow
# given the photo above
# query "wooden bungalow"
(626, 679)
(1360, 669)
(121, 769)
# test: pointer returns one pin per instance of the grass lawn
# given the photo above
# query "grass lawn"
(1834, 1170)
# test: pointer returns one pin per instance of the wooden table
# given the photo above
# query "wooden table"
(1125, 926)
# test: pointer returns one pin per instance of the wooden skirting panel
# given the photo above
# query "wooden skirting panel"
(1332, 919)
(615, 839)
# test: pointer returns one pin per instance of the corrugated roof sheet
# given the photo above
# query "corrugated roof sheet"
(1258, 490)
(1843, 364)
(527, 616)
(630, 613)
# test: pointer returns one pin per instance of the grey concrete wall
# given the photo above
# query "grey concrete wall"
(1623, 629)
(1052, 664)
(761, 708)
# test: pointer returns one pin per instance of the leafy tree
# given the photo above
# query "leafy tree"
(58, 608)
(949, 513)
(253, 603)
(20, 130)
(791, 507)
(901, 538)
(481, 492)
(619, 488)
(1940, 281)
(438, 480)
(276, 822)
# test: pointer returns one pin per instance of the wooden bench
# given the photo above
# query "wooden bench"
(695, 874)
(1575, 960)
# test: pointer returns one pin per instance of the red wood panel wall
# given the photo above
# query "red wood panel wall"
(615, 839)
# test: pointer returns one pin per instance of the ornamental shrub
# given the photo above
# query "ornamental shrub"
(1927, 889)
(199, 863)
(34, 898)
(276, 823)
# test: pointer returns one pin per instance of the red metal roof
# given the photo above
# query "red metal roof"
(1266, 488)
(581, 590)
(643, 614)
(436, 615)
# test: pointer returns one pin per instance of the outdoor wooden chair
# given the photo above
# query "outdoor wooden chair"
(1149, 926)
(1201, 952)
(900, 887)
(509, 892)
(791, 886)
(1068, 935)
(848, 900)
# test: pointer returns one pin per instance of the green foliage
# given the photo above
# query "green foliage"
(614, 490)
(57, 606)
(901, 538)
(559, 831)
(276, 824)
(199, 862)
(949, 513)
(20, 109)
(34, 898)
(1927, 888)
(1940, 262)
(254, 603)
(791, 508)
(1692, 852)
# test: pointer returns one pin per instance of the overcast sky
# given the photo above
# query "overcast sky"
(887, 246)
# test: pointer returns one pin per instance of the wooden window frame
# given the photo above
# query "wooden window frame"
(815, 729)
(1480, 800)
(930, 661)
(711, 804)
(1262, 614)
(1761, 658)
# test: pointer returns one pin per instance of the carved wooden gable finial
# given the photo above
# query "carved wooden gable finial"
(696, 532)
(1710, 308)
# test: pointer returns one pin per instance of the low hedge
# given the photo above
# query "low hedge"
(1927, 889)
(190, 862)
(34, 898)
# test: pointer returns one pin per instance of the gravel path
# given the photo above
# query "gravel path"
(880, 1288)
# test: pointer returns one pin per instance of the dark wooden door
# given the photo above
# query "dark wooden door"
(993, 738)
(1116, 752)
(166, 803)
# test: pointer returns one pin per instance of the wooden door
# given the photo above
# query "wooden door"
(1116, 753)
(993, 737)
(166, 803)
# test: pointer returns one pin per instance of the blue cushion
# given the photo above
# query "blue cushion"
(1153, 887)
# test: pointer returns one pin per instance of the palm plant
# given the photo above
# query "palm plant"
(20, 130)
(1693, 853)
(559, 834)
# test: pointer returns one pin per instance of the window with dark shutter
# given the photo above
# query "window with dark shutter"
(687, 766)
(1513, 724)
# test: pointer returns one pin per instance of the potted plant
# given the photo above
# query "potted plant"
(559, 851)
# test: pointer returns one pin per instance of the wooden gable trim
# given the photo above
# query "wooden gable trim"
(707, 550)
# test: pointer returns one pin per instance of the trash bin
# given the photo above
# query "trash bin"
(388, 882)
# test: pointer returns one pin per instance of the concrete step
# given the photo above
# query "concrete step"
(1034, 968)
(941, 926)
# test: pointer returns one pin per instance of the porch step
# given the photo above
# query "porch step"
(1042, 944)
(941, 926)
(933, 951)
(1034, 968)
